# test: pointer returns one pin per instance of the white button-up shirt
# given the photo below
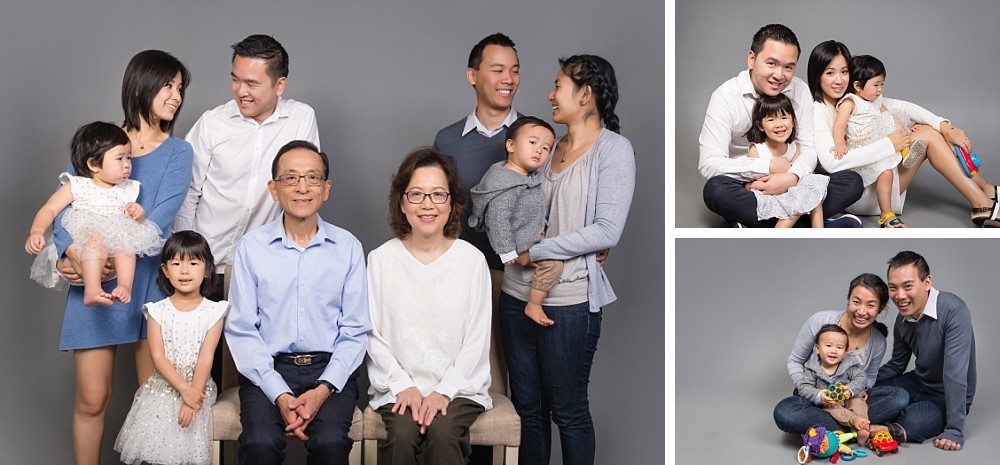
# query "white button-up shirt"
(723, 144)
(228, 195)
(472, 122)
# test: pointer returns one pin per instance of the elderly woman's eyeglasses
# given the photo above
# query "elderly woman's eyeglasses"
(292, 180)
(417, 197)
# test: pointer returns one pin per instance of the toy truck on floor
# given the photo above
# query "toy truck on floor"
(883, 443)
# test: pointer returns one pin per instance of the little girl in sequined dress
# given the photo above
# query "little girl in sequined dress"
(105, 220)
(171, 417)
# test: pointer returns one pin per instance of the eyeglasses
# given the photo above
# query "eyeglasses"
(292, 180)
(417, 197)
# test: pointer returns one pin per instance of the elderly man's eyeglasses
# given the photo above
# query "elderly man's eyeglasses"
(292, 180)
(417, 197)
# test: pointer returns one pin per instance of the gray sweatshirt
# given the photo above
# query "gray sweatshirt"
(850, 372)
(510, 207)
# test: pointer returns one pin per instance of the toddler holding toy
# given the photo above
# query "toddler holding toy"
(831, 367)
(862, 118)
(105, 219)
(508, 203)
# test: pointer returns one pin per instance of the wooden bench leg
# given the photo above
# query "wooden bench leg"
(371, 452)
(511, 453)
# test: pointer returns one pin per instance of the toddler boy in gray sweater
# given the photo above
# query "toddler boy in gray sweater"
(508, 203)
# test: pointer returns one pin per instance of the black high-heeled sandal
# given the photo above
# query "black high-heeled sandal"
(990, 220)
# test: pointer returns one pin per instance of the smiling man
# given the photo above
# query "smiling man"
(477, 141)
(298, 322)
(234, 145)
(723, 144)
(935, 327)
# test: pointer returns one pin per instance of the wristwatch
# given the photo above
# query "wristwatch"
(328, 384)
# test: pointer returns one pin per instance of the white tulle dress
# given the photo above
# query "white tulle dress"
(99, 227)
(151, 433)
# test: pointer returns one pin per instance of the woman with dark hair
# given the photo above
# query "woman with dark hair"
(829, 76)
(867, 297)
(152, 97)
(588, 185)
(429, 298)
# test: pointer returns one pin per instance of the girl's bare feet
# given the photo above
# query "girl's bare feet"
(122, 294)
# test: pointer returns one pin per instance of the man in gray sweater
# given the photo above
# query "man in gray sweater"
(936, 328)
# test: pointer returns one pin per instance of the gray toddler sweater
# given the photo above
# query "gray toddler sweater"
(510, 207)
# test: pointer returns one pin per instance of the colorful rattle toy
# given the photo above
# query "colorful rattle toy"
(968, 161)
(818, 442)
(837, 392)
(883, 443)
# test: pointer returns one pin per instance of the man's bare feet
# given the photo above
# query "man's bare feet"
(947, 444)
(122, 294)
(535, 312)
(97, 296)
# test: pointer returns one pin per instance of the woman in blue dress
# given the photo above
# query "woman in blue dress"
(152, 94)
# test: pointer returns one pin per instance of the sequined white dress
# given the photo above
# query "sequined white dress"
(867, 124)
(98, 223)
(800, 199)
(151, 433)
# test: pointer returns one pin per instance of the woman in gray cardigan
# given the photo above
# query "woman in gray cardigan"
(867, 297)
(550, 365)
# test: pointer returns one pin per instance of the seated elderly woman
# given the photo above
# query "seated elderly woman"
(429, 295)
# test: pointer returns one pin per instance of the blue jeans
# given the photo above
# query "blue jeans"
(796, 415)
(924, 417)
(549, 371)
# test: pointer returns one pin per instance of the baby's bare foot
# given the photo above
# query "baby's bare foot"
(863, 435)
(97, 297)
(535, 312)
(122, 294)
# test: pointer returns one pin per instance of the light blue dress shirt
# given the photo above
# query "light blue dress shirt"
(285, 298)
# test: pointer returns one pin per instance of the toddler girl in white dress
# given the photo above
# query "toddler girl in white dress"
(773, 136)
(105, 220)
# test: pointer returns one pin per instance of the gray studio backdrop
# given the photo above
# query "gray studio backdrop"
(939, 55)
(740, 305)
(383, 78)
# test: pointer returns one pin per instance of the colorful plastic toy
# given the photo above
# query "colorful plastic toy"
(818, 442)
(837, 392)
(883, 443)
(968, 161)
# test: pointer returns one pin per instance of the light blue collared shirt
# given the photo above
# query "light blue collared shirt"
(285, 298)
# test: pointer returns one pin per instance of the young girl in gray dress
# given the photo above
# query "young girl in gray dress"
(773, 136)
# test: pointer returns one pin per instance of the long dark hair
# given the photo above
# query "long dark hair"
(596, 72)
(819, 59)
(186, 245)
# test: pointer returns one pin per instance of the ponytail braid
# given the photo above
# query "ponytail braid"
(596, 72)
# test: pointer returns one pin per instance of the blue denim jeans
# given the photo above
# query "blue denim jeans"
(924, 417)
(549, 371)
(795, 414)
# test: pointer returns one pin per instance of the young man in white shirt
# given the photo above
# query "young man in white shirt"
(234, 145)
(771, 60)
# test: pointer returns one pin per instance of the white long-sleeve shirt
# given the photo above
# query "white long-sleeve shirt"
(868, 154)
(228, 195)
(723, 145)
(431, 324)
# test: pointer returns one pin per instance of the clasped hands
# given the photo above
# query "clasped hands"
(423, 409)
(193, 401)
(299, 411)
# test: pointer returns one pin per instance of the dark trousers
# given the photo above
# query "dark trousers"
(796, 414)
(925, 416)
(446, 441)
(549, 372)
(728, 198)
(263, 441)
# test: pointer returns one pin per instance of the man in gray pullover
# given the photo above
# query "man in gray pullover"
(936, 328)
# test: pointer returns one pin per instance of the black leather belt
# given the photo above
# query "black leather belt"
(302, 360)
